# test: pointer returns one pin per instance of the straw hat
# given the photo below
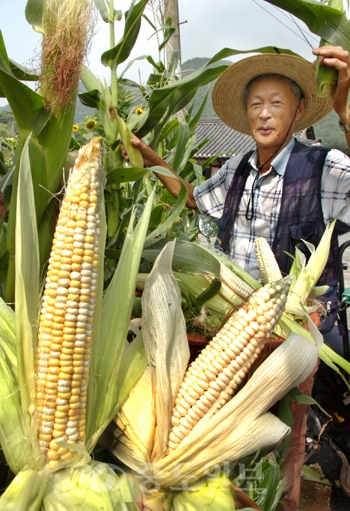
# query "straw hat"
(228, 92)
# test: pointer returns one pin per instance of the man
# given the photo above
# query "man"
(283, 191)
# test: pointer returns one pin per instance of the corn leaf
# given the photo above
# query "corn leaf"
(308, 474)
(122, 50)
(182, 139)
(195, 285)
(110, 335)
(336, 359)
(48, 149)
(166, 101)
(237, 441)
(125, 175)
(104, 9)
(34, 14)
(188, 258)
(326, 354)
(177, 208)
(165, 340)
(329, 23)
(26, 105)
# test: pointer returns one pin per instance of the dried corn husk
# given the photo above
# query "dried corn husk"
(166, 345)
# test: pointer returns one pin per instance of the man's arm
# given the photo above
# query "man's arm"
(337, 57)
(151, 159)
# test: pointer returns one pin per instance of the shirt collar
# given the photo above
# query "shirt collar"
(280, 162)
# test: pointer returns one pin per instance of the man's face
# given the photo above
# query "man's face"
(271, 107)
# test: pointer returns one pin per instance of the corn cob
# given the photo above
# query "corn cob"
(268, 266)
(232, 287)
(211, 380)
(65, 326)
(326, 76)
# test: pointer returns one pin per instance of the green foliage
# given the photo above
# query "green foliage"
(192, 65)
(327, 130)
(329, 23)
(262, 481)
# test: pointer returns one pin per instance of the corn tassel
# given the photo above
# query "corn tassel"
(214, 376)
(62, 361)
(268, 266)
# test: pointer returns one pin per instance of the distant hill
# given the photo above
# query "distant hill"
(81, 111)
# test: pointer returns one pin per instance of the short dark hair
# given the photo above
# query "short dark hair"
(295, 88)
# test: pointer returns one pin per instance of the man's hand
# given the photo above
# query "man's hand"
(337, 57)
(150, 158)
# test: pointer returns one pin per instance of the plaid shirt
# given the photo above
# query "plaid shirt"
(210, 198)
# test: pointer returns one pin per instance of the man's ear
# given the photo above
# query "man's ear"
(301, 108)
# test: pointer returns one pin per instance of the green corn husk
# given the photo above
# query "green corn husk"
(93, 487)
(210, 493)
(308, 274)
(13, 435)
(26, 491)
(326, 76)
(126, 135)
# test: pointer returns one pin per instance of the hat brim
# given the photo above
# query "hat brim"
(228, 92)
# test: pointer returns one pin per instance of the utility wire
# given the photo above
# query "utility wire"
(281, 22)
(301, 31)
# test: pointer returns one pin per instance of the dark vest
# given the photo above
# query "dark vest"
(300, 216)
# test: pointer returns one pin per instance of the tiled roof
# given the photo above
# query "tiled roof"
(224, 140)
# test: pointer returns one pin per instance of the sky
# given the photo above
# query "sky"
(207, 26)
